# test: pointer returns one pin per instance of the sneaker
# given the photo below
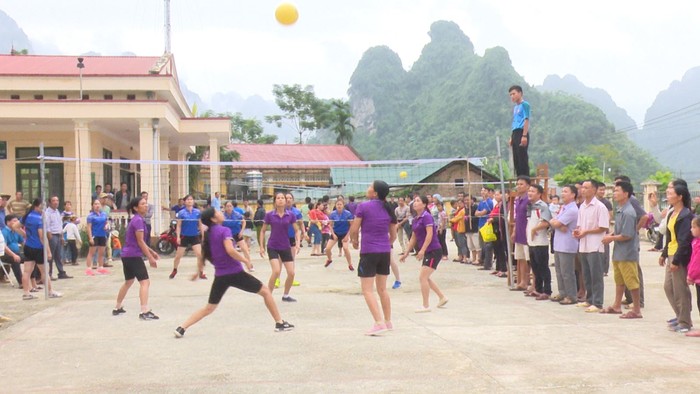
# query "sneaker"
(26, 297)
(288, 299)
(295, 283)
(64, 276)
(103, 271)
(55, 294)
(396, 285)
(389, 326)
(107, 265)
(89, 272)
(284, 326)
(179, 332)
(376, 330)
(351, 268)
(202, 275)
(148, 316)
(672, 321)
(442, 302)
(328, 262)
(680, 329)
(117, 312)
(172, 274)
(423, 309)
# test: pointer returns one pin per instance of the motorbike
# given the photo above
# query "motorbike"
(652, 230)
(168, 239)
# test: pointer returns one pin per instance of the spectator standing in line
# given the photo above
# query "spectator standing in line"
(54, 226)
(18, 205)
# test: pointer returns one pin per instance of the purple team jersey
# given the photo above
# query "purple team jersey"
(223, 263)
(521, 220)
(374, 227)
(419, 226)
(279, 227)
(131, 246)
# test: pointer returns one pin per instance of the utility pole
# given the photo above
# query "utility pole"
(167, 26)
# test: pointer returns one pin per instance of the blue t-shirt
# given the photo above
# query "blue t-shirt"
(98, 221)
(190, 222)
(31, 226)
(12, 239)
(341, 221)
(520, 113)
(233, 221)
(485, 205)
(297, 214)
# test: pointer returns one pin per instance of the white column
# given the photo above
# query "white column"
(214, 169)
(83, 189)
(146, 153)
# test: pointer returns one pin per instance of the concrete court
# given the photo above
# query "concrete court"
(488, 339)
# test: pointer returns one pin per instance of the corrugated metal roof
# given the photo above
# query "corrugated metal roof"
(35, 65)
(291, 153)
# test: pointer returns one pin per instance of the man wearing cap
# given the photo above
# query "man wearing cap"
(19, 205)
(54, 225)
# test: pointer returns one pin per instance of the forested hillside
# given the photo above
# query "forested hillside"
(453, 102)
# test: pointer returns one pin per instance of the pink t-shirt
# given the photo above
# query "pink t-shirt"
(694, 265)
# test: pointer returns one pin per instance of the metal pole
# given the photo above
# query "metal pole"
(167, 26)
(42, 196)
(156, 178)
(505, 214)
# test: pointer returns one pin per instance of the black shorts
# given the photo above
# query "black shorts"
(372, 264)
(432, 259)
(241, 280)
(341, 237)
(237, 237)
(292, 241)
(284, 256)
(189, 240)
(134, 267)
(32, 254)
(99, 241)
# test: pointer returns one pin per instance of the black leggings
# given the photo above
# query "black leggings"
(443, 242)
(73, 251)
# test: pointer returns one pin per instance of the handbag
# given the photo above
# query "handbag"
(487, 233)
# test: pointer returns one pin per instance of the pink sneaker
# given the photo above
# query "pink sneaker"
(376, 330)
(89, 272)
(389, 326)
(103, 271)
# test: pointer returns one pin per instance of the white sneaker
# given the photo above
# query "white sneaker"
(442, 302)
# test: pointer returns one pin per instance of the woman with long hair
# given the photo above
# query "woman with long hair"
(279, 248)
(218, 247)
(676, 255)
(132, 259)
(424, 237)
(236, 223)
(97, 223)
(376, 220)
(341, 219)
(34, 251)
(188, 231)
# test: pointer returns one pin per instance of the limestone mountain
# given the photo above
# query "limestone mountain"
(453, 102)
(600, 98)
(12, 36)
(670, 130)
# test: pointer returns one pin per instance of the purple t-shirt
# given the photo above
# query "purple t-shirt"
(419, 226)
(131, 246)
(223, 263)
(564, 241)
(279, 227)
(521, 220)
(374, 227)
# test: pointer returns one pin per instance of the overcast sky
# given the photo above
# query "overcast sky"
(632, 49)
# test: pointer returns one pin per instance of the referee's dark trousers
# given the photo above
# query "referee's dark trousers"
(520, 159)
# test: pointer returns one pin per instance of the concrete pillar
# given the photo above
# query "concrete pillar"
(214, 169)
(83, 189)
(146, 153)
(649, 187)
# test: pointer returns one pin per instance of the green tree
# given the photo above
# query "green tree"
(663, 177)
(302, 110)
(247, 131)
(339, 120)
(583, 168)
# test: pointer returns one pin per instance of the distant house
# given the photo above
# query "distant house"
(131, 108)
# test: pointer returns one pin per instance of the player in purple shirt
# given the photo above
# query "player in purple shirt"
(519, 236)
(376, 219)
(132, 259)
(425, 237)
(218, 247)
(281, 253)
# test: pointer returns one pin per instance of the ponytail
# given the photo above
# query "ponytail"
(382, 190)
(206, 217)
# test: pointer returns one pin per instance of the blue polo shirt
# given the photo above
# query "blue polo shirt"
(98, 221)
(31, 226)
(487, 205)
(298, 216)
(233, 221)
(12, 239)
(190, 222)
(520, 113)
(341, 221)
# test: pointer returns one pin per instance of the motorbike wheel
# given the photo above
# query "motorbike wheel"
(652, 236)
(164, 247)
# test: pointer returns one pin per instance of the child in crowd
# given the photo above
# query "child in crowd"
(71, 236)
(694, 266)
(116, 244)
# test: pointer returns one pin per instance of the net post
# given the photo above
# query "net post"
(45, 239)
(505, 214)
